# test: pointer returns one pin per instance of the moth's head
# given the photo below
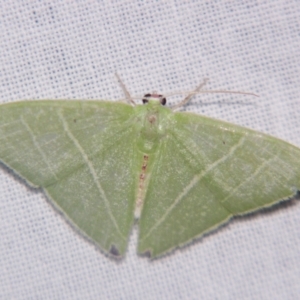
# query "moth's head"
(154, 97)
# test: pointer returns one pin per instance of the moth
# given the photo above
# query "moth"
(104, 164)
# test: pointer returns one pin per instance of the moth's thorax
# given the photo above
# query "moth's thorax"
(152, 123)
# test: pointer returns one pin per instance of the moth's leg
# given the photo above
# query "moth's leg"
(190, 95)
(125, 91)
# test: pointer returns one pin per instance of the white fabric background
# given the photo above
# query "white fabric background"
(71, 49)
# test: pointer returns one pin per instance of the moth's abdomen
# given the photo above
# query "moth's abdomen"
(141, 191)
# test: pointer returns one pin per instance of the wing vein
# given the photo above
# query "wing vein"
(36, 144)
(253, 175)
(91, 169)
(193, 182)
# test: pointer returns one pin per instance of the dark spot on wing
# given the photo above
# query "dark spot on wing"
(114, 251)
(147, 253)
(75, 120)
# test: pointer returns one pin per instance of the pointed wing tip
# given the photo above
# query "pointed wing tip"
(114, 252)
(147, 254)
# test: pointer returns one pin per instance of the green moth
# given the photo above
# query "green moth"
(104, 164)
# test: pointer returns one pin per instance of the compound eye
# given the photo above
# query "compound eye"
(163, 101)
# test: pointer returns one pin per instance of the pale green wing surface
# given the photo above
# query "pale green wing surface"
(208, 171)
(78, 152)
